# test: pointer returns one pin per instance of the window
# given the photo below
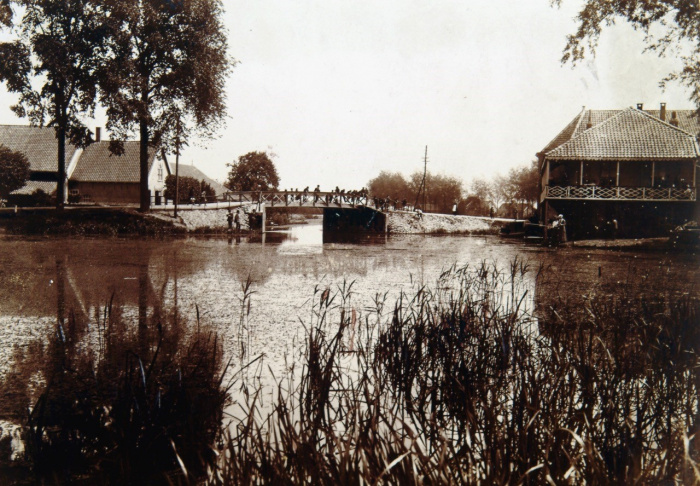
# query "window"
(160, 173)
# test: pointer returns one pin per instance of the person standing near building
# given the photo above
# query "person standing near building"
(562, 228)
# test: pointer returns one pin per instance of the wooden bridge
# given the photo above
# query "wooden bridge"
(342, 212)
(351, 199)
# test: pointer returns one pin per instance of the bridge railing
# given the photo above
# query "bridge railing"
(318, 199)
(300, 198)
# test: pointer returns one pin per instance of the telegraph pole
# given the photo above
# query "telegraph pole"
(422, 184)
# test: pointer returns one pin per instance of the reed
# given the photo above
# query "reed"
(120, 403)
(469, 382)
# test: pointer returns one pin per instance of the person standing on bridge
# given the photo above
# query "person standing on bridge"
(237, 220)
(229, 218)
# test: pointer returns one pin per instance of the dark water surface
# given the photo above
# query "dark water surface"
(45, 280)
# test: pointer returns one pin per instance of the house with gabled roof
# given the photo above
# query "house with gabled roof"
(93, 174)
(39, 145)
(102, 177)
(185, 170)
(632, 169)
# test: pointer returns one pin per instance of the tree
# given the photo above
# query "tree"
(187, 187)
(60, 47)
(668, 25)
(390, 184)
(254, 171)
(14, 171)
(525, 180)
(441, 192)
(169, 63)
(499, 192)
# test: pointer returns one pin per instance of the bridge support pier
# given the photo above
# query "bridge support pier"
(353, 220)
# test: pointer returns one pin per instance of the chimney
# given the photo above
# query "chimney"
(640, 106)
(98, 133)
(662, 113)
(674, 119)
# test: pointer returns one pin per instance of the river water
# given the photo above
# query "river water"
(45, 280)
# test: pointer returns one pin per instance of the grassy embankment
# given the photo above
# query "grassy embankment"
(85, 222)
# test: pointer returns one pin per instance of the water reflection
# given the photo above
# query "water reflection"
(43, 281)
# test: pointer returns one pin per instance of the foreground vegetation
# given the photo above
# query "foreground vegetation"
(490, 376)
(116, 403)
(462, 385)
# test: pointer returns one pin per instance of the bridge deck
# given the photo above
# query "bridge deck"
(302, 199)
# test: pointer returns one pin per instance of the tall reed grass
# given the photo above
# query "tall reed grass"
(119, 403)
(464, 383)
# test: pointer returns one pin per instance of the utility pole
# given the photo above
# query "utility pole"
(177, 164)
(422, 184)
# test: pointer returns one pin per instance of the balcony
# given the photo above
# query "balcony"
(600, 193)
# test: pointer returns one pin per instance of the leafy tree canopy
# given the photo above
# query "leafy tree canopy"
(14, 171)
(169, 66)
(441, 192)
(53, 64)
(390, 184)
(254, 171)
(669, 25)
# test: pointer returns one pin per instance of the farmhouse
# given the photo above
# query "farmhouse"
(102, 177)
(40, 147)
(93, 174)
(185, 170)
(630, 171)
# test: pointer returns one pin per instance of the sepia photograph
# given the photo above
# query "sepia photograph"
(381, 242)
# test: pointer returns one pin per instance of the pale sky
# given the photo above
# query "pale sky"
(341, 90)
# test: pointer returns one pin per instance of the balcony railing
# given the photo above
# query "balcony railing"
(620, 193)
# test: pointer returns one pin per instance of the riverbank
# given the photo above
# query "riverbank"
(429, 223)
(206, 220)
(123, 222)
(87, 222)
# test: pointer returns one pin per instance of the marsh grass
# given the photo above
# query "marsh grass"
(463, 383)
(490, 375)
(119, 403)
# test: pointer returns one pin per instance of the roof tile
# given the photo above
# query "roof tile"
(37, 143)
(628, 134)
(98, 164)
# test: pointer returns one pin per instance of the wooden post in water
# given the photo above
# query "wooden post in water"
(263, 208)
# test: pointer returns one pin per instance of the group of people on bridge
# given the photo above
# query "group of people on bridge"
(337, 196)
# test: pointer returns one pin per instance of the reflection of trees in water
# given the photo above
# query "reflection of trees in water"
(122, 401)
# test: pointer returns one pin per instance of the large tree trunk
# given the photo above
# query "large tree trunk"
(143, 165)
(61, 138)
(61, 183)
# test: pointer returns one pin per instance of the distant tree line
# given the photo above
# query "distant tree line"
(507, 195)
(513, 194)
